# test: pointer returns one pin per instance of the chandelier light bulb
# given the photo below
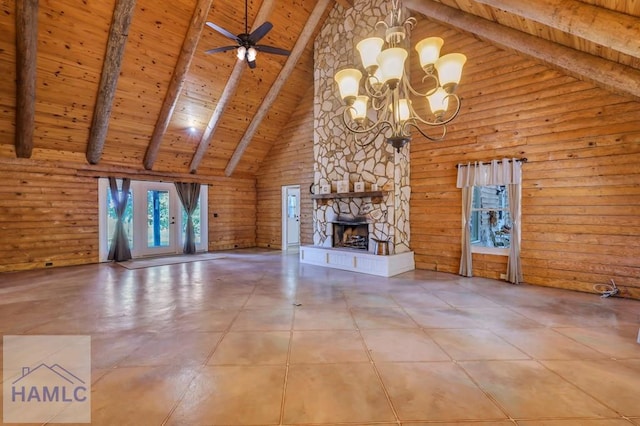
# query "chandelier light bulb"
(348, 83)
(391, 62)
(429, 51)
(369, 49)
(439, 102)
(450, 70)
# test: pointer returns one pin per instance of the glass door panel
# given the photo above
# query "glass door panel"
(158, 219)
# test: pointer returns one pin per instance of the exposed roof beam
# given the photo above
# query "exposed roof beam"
(286, 70)
(604, 27)
(187, 52)
(227, 93)
(118, 33)
(610, 75)
(26, 54)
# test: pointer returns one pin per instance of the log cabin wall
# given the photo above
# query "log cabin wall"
(581, 184)
(48, 216)
(289, 162)
(49, 211)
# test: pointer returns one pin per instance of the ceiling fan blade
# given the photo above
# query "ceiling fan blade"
(271, 49)
(221, 49)
(223, 31)
(260, 32)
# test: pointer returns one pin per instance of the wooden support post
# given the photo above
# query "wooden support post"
(118, 35)
(189, 45)
(26, 55)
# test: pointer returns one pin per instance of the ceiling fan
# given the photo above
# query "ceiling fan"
(247, 46)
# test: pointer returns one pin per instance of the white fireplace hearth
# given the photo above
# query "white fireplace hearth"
(358, 260)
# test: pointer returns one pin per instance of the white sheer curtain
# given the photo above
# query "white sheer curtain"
(498, 172)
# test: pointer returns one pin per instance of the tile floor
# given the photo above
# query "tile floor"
(255, 338)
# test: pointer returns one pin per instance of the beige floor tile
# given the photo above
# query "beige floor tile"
(474, 344)
(322, 318)
(616, 342)
(263, 319)
(480, 423)
(186, 349)
(109, 349)
(459, 299)
(498, 318)
(615, 383)
(333, 393)
(402, 345)
(430, 391)
(576, 422)
(443, 318)
(252, 347)
(327, 346)
(636, 421)
(205, 320)
(232, 395)
(138, 395)
(418, 299)
(526, 389)
(372, 317)
(369, 299)
(544, 343)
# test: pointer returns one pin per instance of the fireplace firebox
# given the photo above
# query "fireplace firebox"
(351, 234)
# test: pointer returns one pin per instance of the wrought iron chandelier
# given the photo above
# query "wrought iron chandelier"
(386, 106)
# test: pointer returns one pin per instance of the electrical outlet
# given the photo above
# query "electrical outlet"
(503, 276)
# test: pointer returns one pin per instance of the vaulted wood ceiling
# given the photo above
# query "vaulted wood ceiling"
(121, 82)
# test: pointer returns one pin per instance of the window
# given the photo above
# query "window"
(490, 220)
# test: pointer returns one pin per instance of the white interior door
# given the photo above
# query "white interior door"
(291, 217)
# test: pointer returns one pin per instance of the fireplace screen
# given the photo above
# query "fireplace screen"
(351, 235)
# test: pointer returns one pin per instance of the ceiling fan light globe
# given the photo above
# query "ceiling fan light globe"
(251, 54)
(241, 52)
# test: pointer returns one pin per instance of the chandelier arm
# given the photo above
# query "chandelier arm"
(381, 125)
(371, 139)
(431, 138)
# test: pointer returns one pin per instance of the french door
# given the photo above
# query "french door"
(155, 221)
(158, 206)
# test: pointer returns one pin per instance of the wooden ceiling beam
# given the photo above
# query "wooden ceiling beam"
(187, 52)
(227, 94)
(26, 55)
(615, 77)
(271, 96)
(604, 27)
(118, 34)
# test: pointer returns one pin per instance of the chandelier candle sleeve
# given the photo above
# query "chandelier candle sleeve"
(382, 104)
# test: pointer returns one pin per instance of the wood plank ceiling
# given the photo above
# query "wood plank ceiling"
(123, 82)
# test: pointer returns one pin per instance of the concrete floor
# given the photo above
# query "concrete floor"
(255, 338)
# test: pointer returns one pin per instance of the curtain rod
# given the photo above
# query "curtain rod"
(522, 160)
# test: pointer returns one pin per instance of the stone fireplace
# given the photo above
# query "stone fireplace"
(383, 205)
(351, 234)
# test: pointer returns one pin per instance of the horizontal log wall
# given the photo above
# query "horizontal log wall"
(581, 185)
(48, 216)
(49, 211)
(289, 162)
